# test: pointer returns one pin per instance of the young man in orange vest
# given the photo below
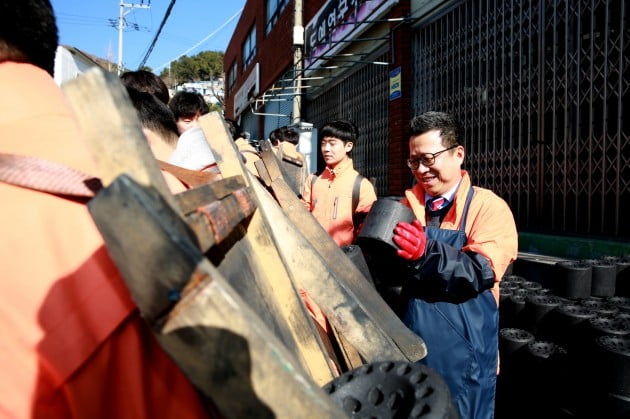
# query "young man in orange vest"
(329, 196)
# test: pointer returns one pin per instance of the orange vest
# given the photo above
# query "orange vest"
(330, 200)
(73, 343)
(490, 226)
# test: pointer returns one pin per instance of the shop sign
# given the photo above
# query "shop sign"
(338, 20)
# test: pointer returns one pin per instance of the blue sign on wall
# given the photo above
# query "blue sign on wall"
(395, 88)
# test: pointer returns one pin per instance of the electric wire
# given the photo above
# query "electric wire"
(157, 34)
(227, 22)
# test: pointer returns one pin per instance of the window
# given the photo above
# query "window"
(274, 9)
(232, 77)
(249, 47)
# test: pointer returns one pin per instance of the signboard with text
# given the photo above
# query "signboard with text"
(249, 89)
(337, 21)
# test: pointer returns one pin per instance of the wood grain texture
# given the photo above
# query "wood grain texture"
(112, 130)
(254, 268)
(221, 345)
(349, 276)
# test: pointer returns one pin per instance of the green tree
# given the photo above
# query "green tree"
(206, 65)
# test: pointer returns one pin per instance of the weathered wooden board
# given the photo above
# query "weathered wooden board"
(346, 352)
(350, 276)
(361, 323)
(213, 210)
(342, 269)
(113, 132)
(207, 328)
(313, 274)
(252, 265)
(252, 357)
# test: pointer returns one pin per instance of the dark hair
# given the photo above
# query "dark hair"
(28, 33)
(154, 115)
(284, 133)
(187, 104)
(145, 81)
(275, 136)
(289, 135)
(344, 130)
(235, 129)
(449, 127)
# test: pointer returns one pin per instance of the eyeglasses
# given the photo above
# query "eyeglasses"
(427, 159)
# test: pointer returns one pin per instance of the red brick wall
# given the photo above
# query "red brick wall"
(400, 109)
(274, 51)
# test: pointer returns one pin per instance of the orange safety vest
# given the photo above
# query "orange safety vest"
(490, 227)
(330, 200)
(73, 343)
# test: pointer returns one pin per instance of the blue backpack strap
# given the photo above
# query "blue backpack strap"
(356, 192)
(466, 206)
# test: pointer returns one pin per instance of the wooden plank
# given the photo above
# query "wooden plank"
(128, 215)
(373, 342)
(347, 352)
(258, 376)
(292, 166)
(213, 210)
(341, 267)
(192, 199)
(112, 130)
(203, 323)
(252, 265)
(313, 273)
(350, 277)
(262, 172)
(271, 162)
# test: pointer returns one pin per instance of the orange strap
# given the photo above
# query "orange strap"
(192, 178)
(47, 176)
(54, 178)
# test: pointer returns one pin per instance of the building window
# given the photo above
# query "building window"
(249, 47)
(274, 9)
(232, 77)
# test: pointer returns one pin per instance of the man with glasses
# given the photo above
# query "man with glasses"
(458, 248)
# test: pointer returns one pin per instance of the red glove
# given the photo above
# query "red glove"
(411, 240)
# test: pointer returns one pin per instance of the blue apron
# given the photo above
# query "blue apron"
(462, 338)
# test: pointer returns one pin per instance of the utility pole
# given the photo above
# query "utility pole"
(298, 44)
(122, 25)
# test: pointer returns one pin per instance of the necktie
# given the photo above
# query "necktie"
(434, 206)
(437, 203)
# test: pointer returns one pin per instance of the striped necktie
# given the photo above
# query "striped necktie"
(435, 204)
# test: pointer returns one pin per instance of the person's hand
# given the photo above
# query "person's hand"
(411, 240)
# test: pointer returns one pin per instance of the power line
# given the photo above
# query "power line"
(150, 49)
(203, 40)
(122, 24)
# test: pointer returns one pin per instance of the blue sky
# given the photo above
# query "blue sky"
(193, 26)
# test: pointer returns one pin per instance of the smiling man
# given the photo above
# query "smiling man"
(458, 248)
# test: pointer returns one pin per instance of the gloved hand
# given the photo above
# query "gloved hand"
(411, 240)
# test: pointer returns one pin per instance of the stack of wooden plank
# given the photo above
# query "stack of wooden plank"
(216, 270)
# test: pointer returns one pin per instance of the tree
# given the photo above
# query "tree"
(206, 65)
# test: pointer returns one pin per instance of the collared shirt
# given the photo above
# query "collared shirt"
(448, 195)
